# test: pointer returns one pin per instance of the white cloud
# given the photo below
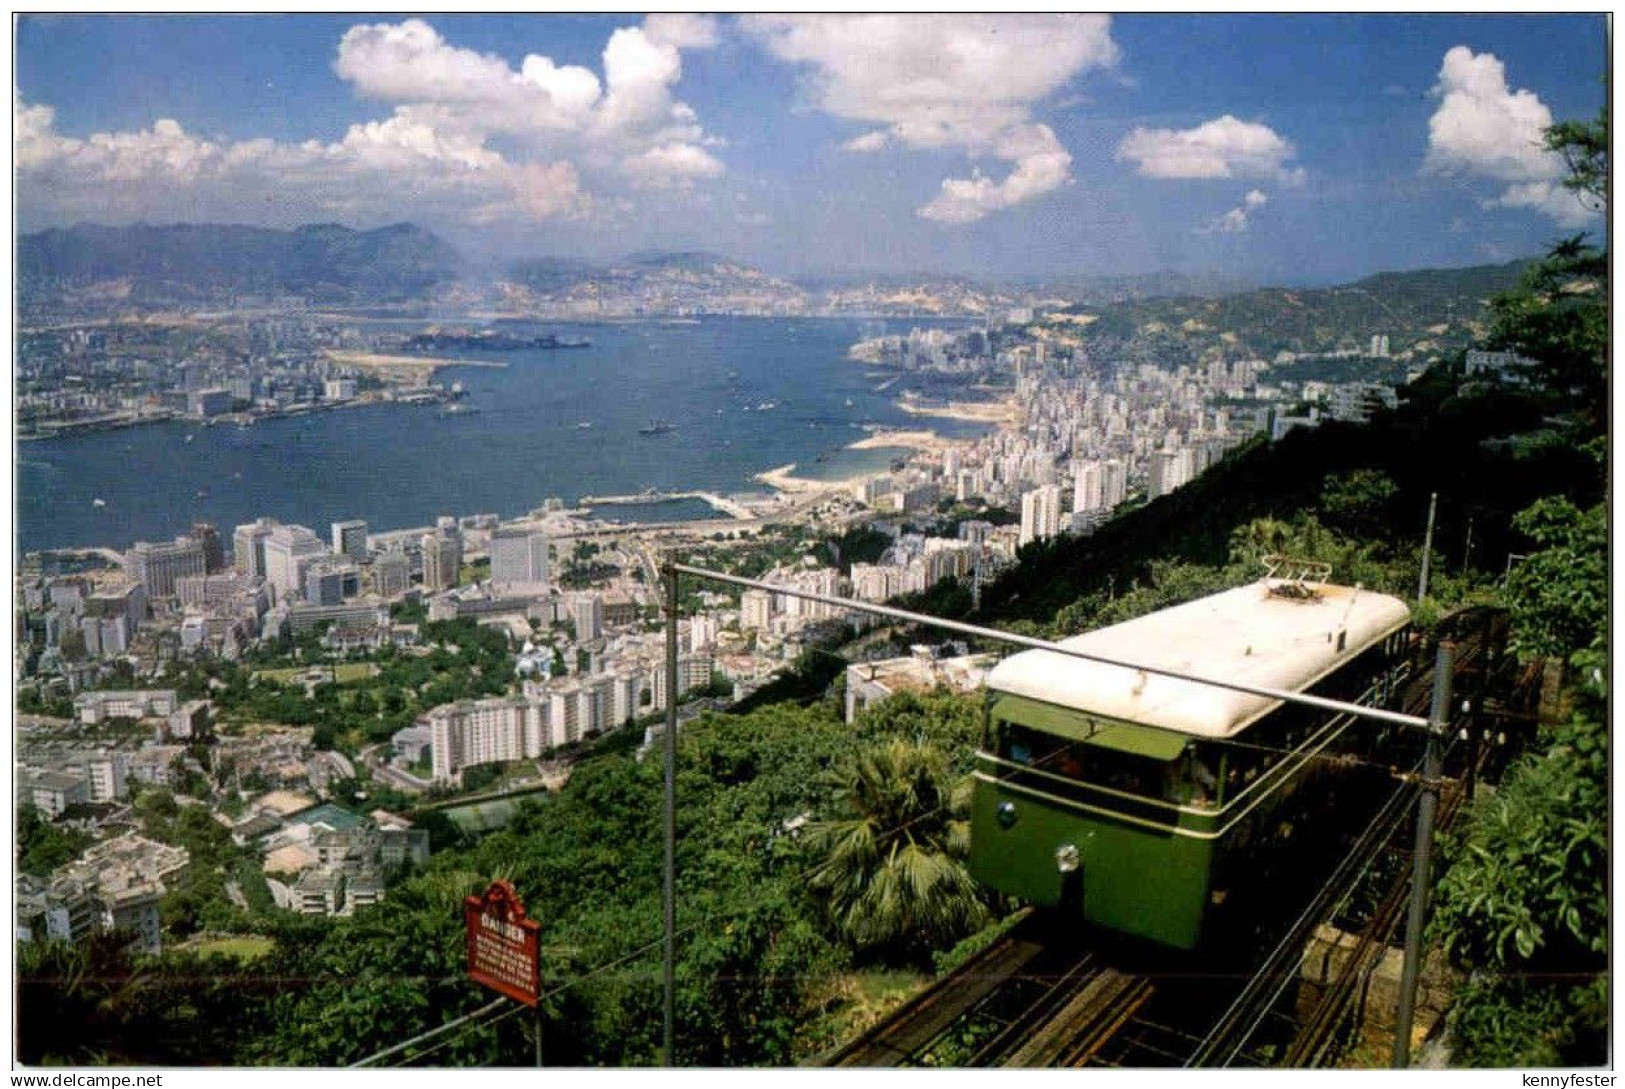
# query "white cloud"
(673, 165)
(432, 155)
(1483, 128)
(1042, 164)
(967, 82)
(1238, 219)
(1232, 222)
(681, 29)
(1224, 147)
(874, 140)
(377, 170)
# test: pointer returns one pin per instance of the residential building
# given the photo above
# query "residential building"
(1040, 513)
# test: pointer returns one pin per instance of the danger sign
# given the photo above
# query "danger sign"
(504, 947)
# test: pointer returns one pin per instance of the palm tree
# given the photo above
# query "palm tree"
(891, 879)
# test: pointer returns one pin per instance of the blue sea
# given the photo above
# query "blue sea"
(741, 395)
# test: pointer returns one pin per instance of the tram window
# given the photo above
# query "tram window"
(1088, 763)
(1201, 777)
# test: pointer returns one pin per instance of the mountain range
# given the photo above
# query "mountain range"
(88, 267)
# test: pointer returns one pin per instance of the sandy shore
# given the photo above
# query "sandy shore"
(410, 370)
(998, 412)
(917, 440)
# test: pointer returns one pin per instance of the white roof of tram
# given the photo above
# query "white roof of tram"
(1249, 635)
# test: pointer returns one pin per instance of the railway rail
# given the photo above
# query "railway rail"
(1028, 1000)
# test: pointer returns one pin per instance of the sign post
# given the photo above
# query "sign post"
(504, 947)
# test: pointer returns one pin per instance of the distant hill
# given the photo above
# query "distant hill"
(210, 262)
(651, 282)
(1422, 313)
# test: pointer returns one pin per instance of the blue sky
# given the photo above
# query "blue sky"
(1278, 148)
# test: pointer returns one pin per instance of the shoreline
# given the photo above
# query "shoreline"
(1005, 411)
(404, 370)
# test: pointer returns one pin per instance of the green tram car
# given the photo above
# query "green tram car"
(1169, 809)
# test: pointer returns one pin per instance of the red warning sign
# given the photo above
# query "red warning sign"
(504, 947)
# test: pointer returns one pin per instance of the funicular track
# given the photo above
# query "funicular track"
(1029, 1001)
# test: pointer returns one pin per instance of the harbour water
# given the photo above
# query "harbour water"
(741, 395)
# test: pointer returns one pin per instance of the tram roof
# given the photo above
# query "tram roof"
(1250, 635)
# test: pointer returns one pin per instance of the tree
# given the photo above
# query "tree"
(1524, 904)
(1559, 594)
(1559, 317)
(891, 880)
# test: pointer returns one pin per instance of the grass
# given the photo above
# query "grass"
(483, 816)
(342, 672)
(240, 947)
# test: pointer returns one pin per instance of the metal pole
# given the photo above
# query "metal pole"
(1438, 723)
(1427, 548)
(538, 1035)
(671, 812)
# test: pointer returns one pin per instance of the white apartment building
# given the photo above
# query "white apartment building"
(519, 559)
(1040, 513)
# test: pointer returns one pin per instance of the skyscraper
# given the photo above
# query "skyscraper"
(519, 559)
(350, 539)
(248, 545)
(289, 550)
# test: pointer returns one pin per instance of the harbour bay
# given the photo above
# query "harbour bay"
(741, 395)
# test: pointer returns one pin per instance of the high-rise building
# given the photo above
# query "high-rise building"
(1088, 481)
(214, 552)
(350, 539)
(391, 573)
(587, 612)
(157, 566)
(248, 545)
(1040, 513)
(1113, 483)
(1169, 469)
(442, 556)
(487, 731)
(755, 610)
(289, 550)
(519, 559)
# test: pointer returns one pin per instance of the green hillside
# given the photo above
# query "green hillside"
(1423, 313)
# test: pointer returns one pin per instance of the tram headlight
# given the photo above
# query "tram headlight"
(1066, 857)
(1006, 814)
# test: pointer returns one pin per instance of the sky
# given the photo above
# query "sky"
(1280, 149)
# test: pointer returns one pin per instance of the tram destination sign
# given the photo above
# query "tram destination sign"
(504, 947)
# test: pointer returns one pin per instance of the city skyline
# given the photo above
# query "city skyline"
(1303, 148)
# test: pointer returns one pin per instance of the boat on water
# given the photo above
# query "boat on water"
(656, 427)
(583, 425)
(98, 502)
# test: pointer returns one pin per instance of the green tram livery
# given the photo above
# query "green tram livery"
(1170, 809)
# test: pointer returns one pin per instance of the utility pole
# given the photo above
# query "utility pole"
(1427, 803)
(1427, 548)
(670, 897)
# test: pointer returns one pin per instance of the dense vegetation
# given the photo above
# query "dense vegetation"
(1524, 905)
(760, 957)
